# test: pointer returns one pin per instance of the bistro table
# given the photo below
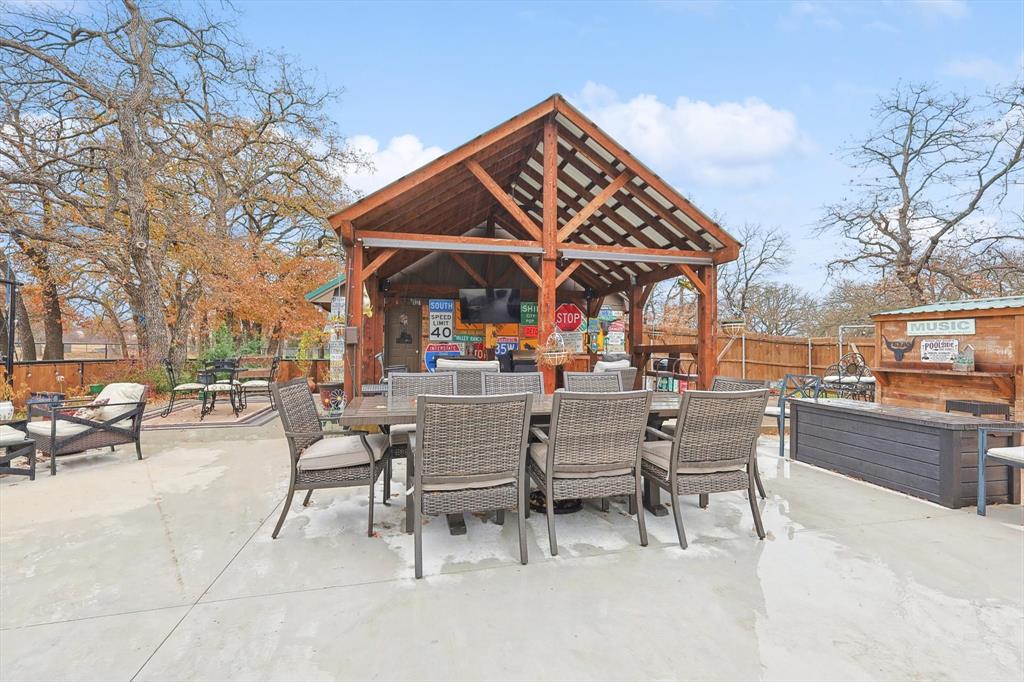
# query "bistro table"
(379, 411)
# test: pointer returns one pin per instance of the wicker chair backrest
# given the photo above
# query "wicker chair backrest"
(470, 381)
(471, 437)
(628, 377)
(595, 431)
(412, 384)
(503, 383)
(718, 426)
(593, 382)
(731, 384)
(298, 413)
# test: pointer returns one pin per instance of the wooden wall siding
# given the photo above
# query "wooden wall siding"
(770, 357)
(999, 349)
(936, 464)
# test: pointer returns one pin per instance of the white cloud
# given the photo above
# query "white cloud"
(940, 9)
(403, 154)
(729, 143)
(814, 13)
(983, 69)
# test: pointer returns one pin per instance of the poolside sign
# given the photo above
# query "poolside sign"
(964, 327)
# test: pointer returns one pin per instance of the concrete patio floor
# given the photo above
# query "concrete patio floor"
(165, 569)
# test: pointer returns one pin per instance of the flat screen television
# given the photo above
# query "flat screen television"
(494, 306)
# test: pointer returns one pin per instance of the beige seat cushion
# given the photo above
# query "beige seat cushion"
(256, 383)
(773, 411)
(219, 388)
(64, 428)
(343, 451)
(659, 453)
(467, 485)
(400, 433)
(1013, 454)
(539, 456)
(444, 364)
(189, 387)
(120, 393)
(605, 366)
(12, 436)
(669, 426)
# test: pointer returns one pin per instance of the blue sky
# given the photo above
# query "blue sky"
(742, 106)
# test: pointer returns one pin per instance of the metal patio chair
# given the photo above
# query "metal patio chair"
(1012, 456)
(501, 383)
(592, 382)
(592, 450)
(193, 388)
(320, 459)
(712, 450)
(470, 456)
(792, 386)
(260, 386)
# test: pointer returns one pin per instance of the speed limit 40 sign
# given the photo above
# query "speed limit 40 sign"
(441, 320)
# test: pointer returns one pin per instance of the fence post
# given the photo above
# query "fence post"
(743, 355)
(810, 356)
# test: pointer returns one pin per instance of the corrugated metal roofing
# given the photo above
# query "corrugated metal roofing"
(953, 306)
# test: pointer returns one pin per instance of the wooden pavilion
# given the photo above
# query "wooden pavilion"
(555, 200)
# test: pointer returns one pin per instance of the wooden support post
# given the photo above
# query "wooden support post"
(549, 240)
(354, 302)
(707, 328)
(635, 330)
(368, 335)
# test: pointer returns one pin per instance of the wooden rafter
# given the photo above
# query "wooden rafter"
(564, 274)
(504, 199)
(695, 280)
(594, 204)
(436, 242)
(525, 267)
(380, 260)
(470, 270)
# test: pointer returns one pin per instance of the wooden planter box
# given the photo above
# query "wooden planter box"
(932, 455)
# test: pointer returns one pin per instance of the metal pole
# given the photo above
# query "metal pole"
(743, 354)
(11, 293)
(809, 356)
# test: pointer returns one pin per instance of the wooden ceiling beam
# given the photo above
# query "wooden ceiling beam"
(564, 274)
(691, 275)
(504, 199)
(593, 205)
(526, 269)
(470, 270)
(377, 262)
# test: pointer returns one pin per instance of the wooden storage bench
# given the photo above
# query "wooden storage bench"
(928, 454)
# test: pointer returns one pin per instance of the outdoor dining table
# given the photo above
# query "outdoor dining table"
(379, 411)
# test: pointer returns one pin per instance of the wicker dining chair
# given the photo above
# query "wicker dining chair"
(592, 450)
(322, 459)
(592, 382)
(712, 450)
(720, 383)
(409, 385)
(470, 456)
(502, 383)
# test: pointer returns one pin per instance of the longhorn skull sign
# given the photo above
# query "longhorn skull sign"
(899, 347)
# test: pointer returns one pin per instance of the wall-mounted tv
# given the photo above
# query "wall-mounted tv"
(494, 306)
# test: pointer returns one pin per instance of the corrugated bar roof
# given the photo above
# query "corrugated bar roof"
(954, 306)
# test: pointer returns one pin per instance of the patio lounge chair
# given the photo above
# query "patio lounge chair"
(470, 456)
(592, 450)
(321, 459)
(117, 422)
(1012, 456)
(592, 382)
(712, 450)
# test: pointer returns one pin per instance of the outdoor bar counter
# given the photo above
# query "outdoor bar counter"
(928, 454)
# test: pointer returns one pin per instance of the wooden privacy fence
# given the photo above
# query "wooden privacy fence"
(760, 356)
(75, 376)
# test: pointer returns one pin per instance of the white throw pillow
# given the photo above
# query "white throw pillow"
(482, 365)
(603, 366)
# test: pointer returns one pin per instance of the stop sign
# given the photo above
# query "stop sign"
(569, 318)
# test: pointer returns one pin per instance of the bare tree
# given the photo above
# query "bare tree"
(780, 309)
(933, 177)
(764, 253)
